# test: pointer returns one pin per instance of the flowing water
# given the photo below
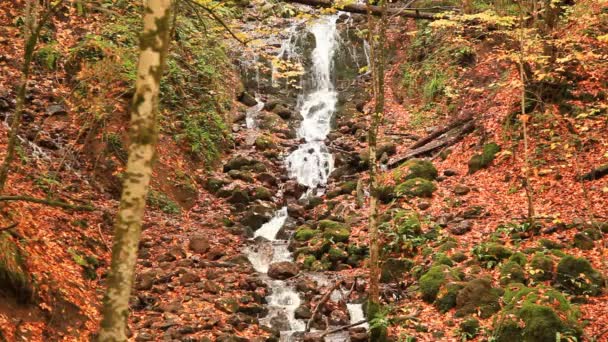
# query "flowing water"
(310, 164)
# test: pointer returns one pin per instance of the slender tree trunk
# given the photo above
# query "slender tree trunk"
(33, 29)
(377, 68)
(154, 42)
(525, 118)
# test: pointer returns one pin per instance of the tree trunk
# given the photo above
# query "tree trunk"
(373, 10)
(31, 40)
(377, 67)
(154, 42)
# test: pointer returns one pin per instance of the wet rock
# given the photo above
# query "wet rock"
(303, 312)
(306, 285)
(282, 111)
(247, 99)
(199, 244)
(461, 190)
(257, 215)
(228, 305)
(296, 211)
(280, 322)
(358, 334)
(283, 270)
(461, 228)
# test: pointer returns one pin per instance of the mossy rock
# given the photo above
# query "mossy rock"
(541, 267)
(483, 160)
(313, 202)
(262, 193)
(385, 193)
(320, 265)
(213, 185)
(583, 241)
(305, 233)
(307, 261)
(432, 281)
(318, 246)
(535, 315)
(459, 257)
(448, 244)
(263, 143)
(550, 244)
(407, 223)
(469, 328)
(337, 254)
(334, 231)
(13, 275)
(238, 163)
(578, 277)
(594, 233)
(394, 270)
(512, 272)
(415, 168)
(245, 176)
(520, 258)
(491, 254)
(478, 297)
(416, 187)
(446, 298)
(442, 259)
(348, 187)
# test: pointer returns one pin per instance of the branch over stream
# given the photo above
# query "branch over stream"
(375, 10)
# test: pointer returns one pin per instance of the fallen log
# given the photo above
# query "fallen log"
(596, 173)
(440, 131)
(375, 10)
(445, 139)
(333, 331)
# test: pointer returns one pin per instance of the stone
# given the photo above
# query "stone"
(461, 190)
(199, 244)
(424, 205)
(303, 312)
(189, 278)
(145, 281)
(282, 111)
(228, 305)
(358, 334)
(478, 296)
(461, 228)
(216, 253)
(450, 173)
(283, 270)
(415, 187)
(247, 99)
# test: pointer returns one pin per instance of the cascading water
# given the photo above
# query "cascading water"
(310, 164)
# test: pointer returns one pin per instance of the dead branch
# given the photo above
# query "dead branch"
(49, 202)
(9, 227)
(321, 302)
(218, 19)
(342, 328)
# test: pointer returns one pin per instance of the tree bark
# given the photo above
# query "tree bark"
(374, 10)
(154, 42)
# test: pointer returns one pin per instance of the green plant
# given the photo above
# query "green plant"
(48, 56)
(160, 201)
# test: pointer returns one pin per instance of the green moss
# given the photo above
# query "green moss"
(459, 257)
(442, 259)
(478, 297)
(550, 244)
(491, 254)
(13, 274)
(577, 276)
(415, 168)
(161, 201)
(583, 241)
(469, 328)
(512, 272)
(305, 233)
(337, 254)
(308, 261)
(446, 298)
(416, 187)
(334, 231)
(541, 267)
(263, 143)
(535, 315)
(483, 160)
(262, 193)
(431, 282)
(519, 258)
(318, 246)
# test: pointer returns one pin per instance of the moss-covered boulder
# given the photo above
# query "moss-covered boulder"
(535, 315)
(415, 187)
(415, 168)
(262, 193)
(13, 275)
(432, 282)
(583, 241)
(394, 269)
(442, 259)
(318, 246)
(483, 160)
(578, 277)
(263, 143)
(490, 254)
(478, 297)
(541, 267)
(446, 298)
(305, 233)
(512, 272)
(337, 255)
(334, 231)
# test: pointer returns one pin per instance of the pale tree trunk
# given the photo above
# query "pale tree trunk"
(377, 69)
(154, 42)
(33, 29)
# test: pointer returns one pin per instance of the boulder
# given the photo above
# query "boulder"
(576, 276)
(247, 99)
(199, 244)
(415, 187)
(334, 231)
(461, 190)
(461, 227)
(283, 270)
(478, 296)
(483, 160)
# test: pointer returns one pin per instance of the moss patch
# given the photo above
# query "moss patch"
(415, 168)
(415, 187)
(578, 277)
(483, 160)
(478, 297)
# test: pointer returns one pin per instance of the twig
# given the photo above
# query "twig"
(49, 202)
(321, 302)
(218, 19)
(342, 328)
(10, 226)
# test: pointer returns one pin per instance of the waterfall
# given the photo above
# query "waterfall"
(312, 163)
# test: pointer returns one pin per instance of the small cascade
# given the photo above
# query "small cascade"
(252, 113)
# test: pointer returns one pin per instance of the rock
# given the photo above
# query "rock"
(583, 241)
(461, 228)
(280, 322)
(313, 337)
(241, 321)
(450, 173)
(189, 278)
(209, 286)
(578, 277)
(461, 190)
(424, 205)
(247, 99)
(228, 305)
(216, 253)
(541, 267)
(478, 296)
(199, 244)
(358, 334)
(338, 317)
(242, 175)
(262, 193)
(145, 281)
(470, 327)
(303, 312)
(416, 187)
(264, 143)
(239, 196)
(491, 253)
(305, 233)
(334, 231)
(393, 270)
(430, 283)
(256, 216)
(282, 111)
(512, 272)
(282, 270)
(415, 168)
(306, 285)
(238, 163)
